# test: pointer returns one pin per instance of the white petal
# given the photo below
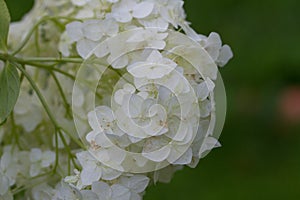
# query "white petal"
(120, 63)
(85, 47)
(142, 10)
(110, 27)
(136, 183)
(185, 159)
(202, 91)
(94, 121)
(225, 55)
(122, 16)
(158, 155)
(109, 174)
(74, 31)
(213, 45)
(157, 44)
(48, 158)
(135, 196)
(101, 50)
(102, 190)
(120, 192)
(89, 195)
(92, 30)
(35, 169)
(208, 144)
(159, 23)
(4, 184)
(205, 108)
(35, 155)
(88, 176)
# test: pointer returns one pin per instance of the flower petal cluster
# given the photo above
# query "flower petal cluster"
(155, 111)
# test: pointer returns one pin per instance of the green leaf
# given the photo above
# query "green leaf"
(4, 25)
(9, 90)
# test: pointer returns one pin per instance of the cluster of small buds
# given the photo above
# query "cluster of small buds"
(156, 108)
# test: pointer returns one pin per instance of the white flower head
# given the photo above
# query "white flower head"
(40, 160)
(126, 10)
(156, 66)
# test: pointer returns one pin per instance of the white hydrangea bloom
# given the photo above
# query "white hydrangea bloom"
(42, 191)
(40, 160)
(9, 169)
(213, 45)
(89, 33)
(126, 10)
(161, 114)
(155, 66)
(93, 170)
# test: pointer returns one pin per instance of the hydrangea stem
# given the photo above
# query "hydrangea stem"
(67, 105)
(44, 103)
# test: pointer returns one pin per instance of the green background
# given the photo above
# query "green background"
(260, 157)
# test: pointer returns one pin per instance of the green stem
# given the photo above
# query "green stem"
(67, 148)
(49, 59)
(45, 105)
(67, 105)
(6, 57)
(56, 151)
(26, 186)
(39, 94)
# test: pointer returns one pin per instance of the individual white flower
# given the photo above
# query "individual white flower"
(213, 45)
(40, 160)
(224, 56)
(154, 21)
(88, 34)
(126, 10)
(173, 83)
(150, 37)
(101, 118)
(4, 184)
(158, 150)
(205, 108)
(93, 170)
(137, 184)
(156, 66)
(198, 57)
(141, 118)
(203, 89)
(89, 195)
(172, 11)
(65, 44)
(208, 144)
(119, 94)
(106, 192)
(165, 175)
(42, 191)
(65, 191)
(9, 169)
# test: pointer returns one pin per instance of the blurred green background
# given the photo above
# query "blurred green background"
(260, 157)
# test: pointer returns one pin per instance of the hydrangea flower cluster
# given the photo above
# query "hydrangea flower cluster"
(152, 112)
